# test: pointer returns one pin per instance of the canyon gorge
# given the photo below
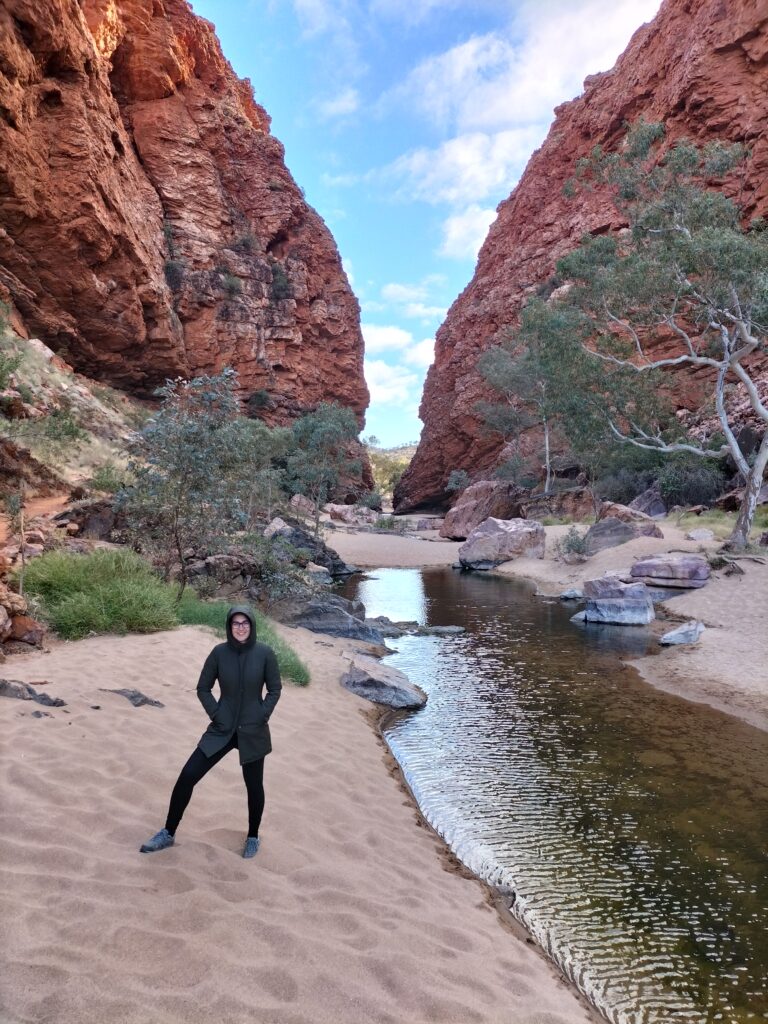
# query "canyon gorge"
(701, 67)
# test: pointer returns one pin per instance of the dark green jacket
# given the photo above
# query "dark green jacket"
(243, 671)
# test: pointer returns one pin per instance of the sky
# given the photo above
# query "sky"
(406, 122)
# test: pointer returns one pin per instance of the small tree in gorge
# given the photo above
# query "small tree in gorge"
(685, 286)
(318, 456)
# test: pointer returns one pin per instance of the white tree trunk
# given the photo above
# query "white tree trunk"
(739, 539)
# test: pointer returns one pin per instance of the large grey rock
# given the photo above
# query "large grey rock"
(393, 630)
(677, 571)
(611, 531)
(277, 525)
(381, 684)
(610, 600)
(500, 540)
(327, 613)
(650, 502)
(700, 534)
(572, 594)
(688, 633)
(498, 499)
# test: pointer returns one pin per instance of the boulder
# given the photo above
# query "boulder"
(610, 600)
(763, 540)
(353, 515)
(498, 499)
(608, 533)
(731, 502)
(318, 573)
(303, 506)
(700, 534)
(500, 540)
(328, 613)
(5, 624)
(627, 514)
(573, 502)
(650, 502)
(572, 594)
(688, 633)
(381, 684)
(277, 525)
(676, 571)
(26, 630)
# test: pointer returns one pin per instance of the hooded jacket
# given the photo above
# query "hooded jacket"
(243, 670)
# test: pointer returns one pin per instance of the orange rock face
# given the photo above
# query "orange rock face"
(149, 225)
(701, 67)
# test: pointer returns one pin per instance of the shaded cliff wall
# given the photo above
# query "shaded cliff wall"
(148, 224)
(702, 67)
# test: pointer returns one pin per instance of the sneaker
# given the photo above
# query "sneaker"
(251, 848)
(159, 841)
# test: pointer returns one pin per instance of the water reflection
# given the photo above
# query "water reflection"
(632, 826)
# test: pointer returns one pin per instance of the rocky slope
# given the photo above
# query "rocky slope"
(702, 67)
(149, 224)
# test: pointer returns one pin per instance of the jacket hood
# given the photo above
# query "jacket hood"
(247, 611)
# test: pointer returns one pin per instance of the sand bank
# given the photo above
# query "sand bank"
(349, 913)
(727, 668)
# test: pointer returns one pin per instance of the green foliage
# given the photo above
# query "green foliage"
(258, 401)
(458, 480)
(318, 455)
(574, 543)
(61, 426)
(371, 499)
(9, 363)
(246, 243)
(388, 466)
(281, 286)
(685, 279)
(232, 285)
(114, 591)
(261, 474)
(105, 592)
(174, 274)
(687, 481)
(108, 478)
(184, 464)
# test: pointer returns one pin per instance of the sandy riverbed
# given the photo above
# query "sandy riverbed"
(350, 912)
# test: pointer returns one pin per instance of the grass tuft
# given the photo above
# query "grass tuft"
(116, 591)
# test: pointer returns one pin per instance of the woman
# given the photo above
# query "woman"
(239, 719)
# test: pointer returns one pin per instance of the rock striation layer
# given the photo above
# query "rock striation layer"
(149, 225)
(701, 67)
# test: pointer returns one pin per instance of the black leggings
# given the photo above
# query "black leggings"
(199, 765)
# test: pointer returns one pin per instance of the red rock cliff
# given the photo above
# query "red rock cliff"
(149, 224)
(702, 67)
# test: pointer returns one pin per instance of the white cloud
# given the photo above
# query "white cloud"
(464, 233)
(420, 311)
(385, 339)
(390, 384)
(342, 105)
(422, 354)
(471, 166)
(403, 292)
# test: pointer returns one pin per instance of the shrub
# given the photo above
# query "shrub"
(62, 426)
(108, 478)
(232, 285)
(281, 286)
(8, 365)
(174, 274)
(625, 484)
(690, 482)
(573, 544)
(245, 243)
(116, 591)
(458, 480)
(371, 499)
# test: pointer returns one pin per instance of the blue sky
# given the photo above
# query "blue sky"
(406, 122)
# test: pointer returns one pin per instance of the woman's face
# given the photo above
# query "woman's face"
(241, 628)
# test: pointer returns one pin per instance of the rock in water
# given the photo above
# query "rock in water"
(688, 633)
(611, 601)
(500, 540)
(381, 684)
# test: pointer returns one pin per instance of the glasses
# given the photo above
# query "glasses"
(241, 624)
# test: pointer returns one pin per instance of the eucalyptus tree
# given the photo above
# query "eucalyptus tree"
(684, 286)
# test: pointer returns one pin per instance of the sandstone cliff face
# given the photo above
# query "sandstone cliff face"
(702, 67)
(149, 226)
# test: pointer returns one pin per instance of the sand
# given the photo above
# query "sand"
(349, 912)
